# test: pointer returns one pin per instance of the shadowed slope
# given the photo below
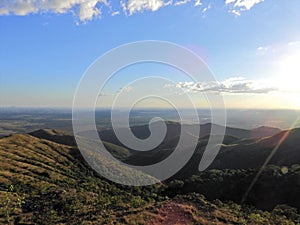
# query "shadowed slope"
(252, 154)
(60, 137)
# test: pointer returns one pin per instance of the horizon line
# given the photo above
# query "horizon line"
(146, 108)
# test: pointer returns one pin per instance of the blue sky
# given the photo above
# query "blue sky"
(47, 46)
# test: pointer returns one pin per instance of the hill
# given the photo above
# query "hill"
(44, 180)
(56, 136)
(64, 138)
(283, 148)
(46, 183)
(173, 132)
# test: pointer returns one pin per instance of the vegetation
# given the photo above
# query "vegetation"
(44, 180)
(274, 186)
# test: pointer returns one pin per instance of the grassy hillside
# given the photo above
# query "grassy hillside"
(54, 182)
(37, 163)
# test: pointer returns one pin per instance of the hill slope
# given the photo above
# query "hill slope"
(283, 148)
(48, 183)
(38, 163)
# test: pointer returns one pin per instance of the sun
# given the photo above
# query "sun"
(287, 80)
(289, 73)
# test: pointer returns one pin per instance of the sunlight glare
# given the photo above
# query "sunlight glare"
(289, 77)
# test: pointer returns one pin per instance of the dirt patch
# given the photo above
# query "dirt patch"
(172, 213)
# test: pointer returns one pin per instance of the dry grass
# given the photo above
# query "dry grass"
(27, 159)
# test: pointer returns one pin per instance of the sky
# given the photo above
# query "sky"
(251, 46)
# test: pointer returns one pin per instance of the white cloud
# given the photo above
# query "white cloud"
(141, 5)
(293, 43)
(182, 2)
(246, 4)
(229, 1)
(261, 48)
(235, 12)
(233, 85)
(87, 9)
(206, 8)
(241, 5)
(127, 89)
(279, 49)
(123, 6)
(198, 3)
(115, 13)
(123, 90)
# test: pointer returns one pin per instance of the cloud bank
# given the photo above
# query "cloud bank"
(83, 9)
(86, 10)
(234, 85)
